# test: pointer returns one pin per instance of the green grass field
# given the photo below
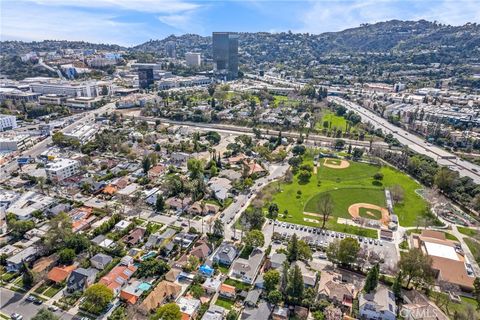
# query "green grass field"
(468, 232)
(224, 303)
(474, 247)
(345, 197)
(351, 185)
(333, 119)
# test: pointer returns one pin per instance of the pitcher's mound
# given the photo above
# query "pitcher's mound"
(354, 211)
(336, 163)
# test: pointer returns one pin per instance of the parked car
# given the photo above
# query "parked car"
(31, 298)
(53, 308)
(16, 316)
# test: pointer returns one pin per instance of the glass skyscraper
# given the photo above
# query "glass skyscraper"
(225, 54)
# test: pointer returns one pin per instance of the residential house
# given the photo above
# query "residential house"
(118, 277)
(246, 270)
(379, 304)
(185, 239)
(132, 292)
(214, 312)
(173, 274)
(198, 209)
(334, 289)
(225, 254)
(81, 218)
(227, 291)
(177, 204)
(201, 250)
(252, 297)
(156, 239)
(135, 236)
(80, 279)
(309, 276)
(277, 260)
(103, 241)
(212, 285)
(220, 187)
(262, 311)
(164, 292)
(60, 274)
(15, 262)
(29, 202)
(280, 313)
(122, 225)
(156, 171)
(418, 307)
(100, 261)
(188, 307)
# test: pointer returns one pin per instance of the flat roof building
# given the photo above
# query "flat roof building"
(225, 54)
(61, 169)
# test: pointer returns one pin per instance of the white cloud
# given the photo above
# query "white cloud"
(152, 6)
(39, 23)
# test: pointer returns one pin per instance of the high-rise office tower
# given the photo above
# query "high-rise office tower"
(145, 77)
(171, 49)
(225, 54)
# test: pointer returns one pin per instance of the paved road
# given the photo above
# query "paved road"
(11, 301)
(414, 142)
(40, 147)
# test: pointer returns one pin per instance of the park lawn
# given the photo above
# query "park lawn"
(459, 307)
(224, 303)
(293, 197)
(468, 232)
(413, 204)
(345, 197)
(359, 172)
(451, 237)
(334, 121)
(474, 247)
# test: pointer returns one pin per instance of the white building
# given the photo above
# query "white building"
(15, 142)
(7, 122)
(89, 89)
(193, 59)
(83, 133)
(83, 103)
(61, 169)
(28, 203)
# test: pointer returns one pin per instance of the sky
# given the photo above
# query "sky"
(132, 22)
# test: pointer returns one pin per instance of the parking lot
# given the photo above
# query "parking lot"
(319, 239)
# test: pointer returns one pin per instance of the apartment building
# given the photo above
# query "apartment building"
(61, 169)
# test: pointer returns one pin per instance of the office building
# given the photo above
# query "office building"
(7, 122)
(193, 59)
(171, 49)
(225, 54)
(68, 89)
(15, 142)
(61, 169)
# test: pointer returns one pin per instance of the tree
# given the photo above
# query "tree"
(397, 193)
(476, 291)
(292, 249)
(357, 153)
(60, 229)
(159, 203)
(295, 285)
(378, 176)
(304, 176)
(416, 266)
(118, 314)
(254, 239)
(45, 314)
(28, 278)
(197, 291)
(445, 179)
(274, 297)
(96, 298)
(298, 150)
(255, 218)
(284, 277)
(152, 268)
(146, 164)
(372, 279)
(344, 251)
(271, 279)
(397, 286)
(325, 207)
(273, 211)
(218, 228)
(232, 315)
(66, 256)
(169, 311)
(304, 251)
(196, 168)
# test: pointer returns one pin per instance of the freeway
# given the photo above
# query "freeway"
(312, 138)
(41, 146)
(417, 144)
